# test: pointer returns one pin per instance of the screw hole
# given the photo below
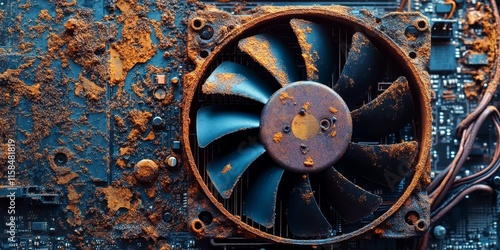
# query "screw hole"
(197, 23)
(412, 218)
(60, 159)
(421, 225)
(378, 20)
(204, 53)
(412, 55)
(421, 24)
(325, 124)
(206, 217)
(286, 128)
(197, 226)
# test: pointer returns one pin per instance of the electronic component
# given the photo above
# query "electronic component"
(249, 124)
(442, 29)
(443, 58)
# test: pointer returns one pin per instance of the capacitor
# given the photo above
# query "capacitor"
(439, 232)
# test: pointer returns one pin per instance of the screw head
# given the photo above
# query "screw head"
(158, 123)
(171, 161)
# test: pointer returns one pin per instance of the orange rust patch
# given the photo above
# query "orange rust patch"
(306, 106)
(226, 169)
(224, 85)
(140, 119)
(65, 179)
(116, 197)
(121, 163)
(92, 90)
(73, 199)
(333, 110)
(135, 45)
(260, 51)
(284, 96)
(277, 137)
(307, 197)
(309, 162)
(310, 56)
(333, 133)
(126, 151)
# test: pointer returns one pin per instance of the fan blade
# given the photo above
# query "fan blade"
(364, 67)
(316, 43)
(384, 164)
(385, 114)
(260, 203)
(227, 170)
(233, 79)
(273, 55)
(213, 122)
(350, 201)
(304, 216)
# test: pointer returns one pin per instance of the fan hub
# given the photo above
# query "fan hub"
(306, 127)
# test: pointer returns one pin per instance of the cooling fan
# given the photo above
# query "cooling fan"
(311, 115)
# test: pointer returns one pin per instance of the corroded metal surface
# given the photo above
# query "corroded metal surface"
(383, 35)
(320, 127)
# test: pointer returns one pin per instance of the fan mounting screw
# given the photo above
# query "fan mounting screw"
(302, 111)
(304, 149)
(171, 161)
(286, 128)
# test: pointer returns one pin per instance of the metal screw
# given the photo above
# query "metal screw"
(171, 161)
(302, 111)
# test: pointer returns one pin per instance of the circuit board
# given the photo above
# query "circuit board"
(90, 122)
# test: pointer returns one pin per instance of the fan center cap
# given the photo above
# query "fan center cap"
(305, 127)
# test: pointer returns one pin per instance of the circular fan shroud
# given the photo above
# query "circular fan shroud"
(342, 16)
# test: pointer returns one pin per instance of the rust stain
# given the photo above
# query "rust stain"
(333, 133)
(135, 45)
(117, 197)
(224, 83)
(277, 137)
(309, 162)
(306, 106)
(333, 110)
(284, 96)
(307, 197)
(226, 169)
(310, 56)
(260, 51)
(92, 90)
